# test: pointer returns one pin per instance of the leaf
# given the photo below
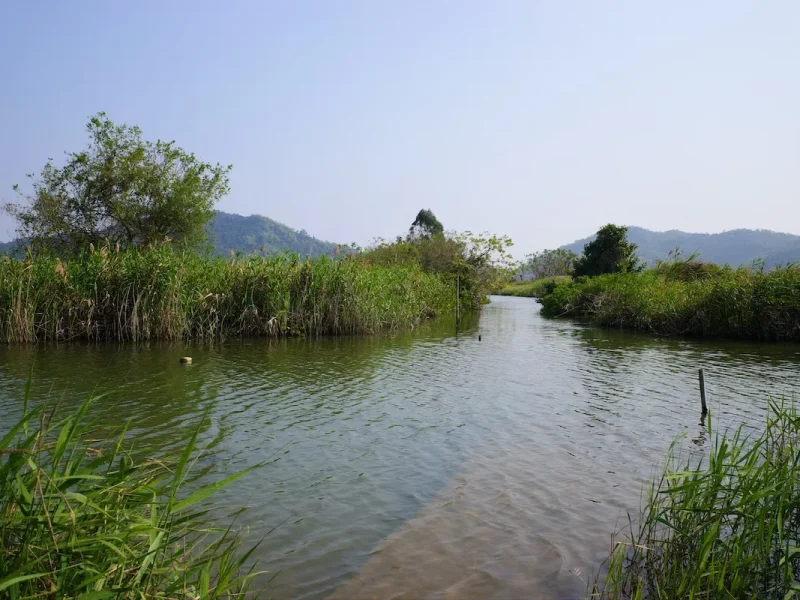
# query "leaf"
(14, 578)
(97, 595)
(150, 557)
(210, 489)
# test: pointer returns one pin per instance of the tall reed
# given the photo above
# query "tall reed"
(167, 294)
(86, 519)
(725, 528)
(535, 288)
(706, 302)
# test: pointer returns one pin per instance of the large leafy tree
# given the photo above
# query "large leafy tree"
(609, 252)
(426, 225)
(131, 191)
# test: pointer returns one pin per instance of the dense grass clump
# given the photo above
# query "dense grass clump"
(687, 299)
(535, 288)
(168, 294)
(83, 518)
(725, 528)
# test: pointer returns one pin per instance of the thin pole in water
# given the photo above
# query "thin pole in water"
(703, 393)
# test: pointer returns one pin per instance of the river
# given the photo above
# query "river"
(425, 464)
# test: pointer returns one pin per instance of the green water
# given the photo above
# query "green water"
(424, 465)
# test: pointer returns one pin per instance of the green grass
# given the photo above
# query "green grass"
(727, 527)
(694, 299)
(82, 518)
(531, 289)
(167, 294)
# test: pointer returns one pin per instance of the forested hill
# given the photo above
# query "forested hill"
(235, 232)
(245, 234)
(736, 247)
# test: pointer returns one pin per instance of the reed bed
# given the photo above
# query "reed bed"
(82, 518)
(164, 293)
(703, 300)
(532, 289)
(727, 527)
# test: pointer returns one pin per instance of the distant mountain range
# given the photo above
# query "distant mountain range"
(235, 232)
(736, 247)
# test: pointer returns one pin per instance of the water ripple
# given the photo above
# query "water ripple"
(424, 465)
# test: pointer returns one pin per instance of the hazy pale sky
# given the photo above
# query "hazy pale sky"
(541, 120)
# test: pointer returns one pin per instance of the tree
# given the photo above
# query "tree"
(549, 263)
(425, 225)
(131, 191)
(610, 252)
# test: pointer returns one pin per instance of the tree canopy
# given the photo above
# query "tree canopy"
(481, 261)
(548, 263)
(131, 191)
(609, 252)
(425, 225)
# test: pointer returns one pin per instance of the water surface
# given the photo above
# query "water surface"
(424, 465)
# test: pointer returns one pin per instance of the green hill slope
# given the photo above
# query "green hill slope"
(736, 247)
(235, 232)
(245, 234)
(7, 247)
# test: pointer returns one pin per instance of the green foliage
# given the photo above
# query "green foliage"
(535, 288)
(678, 268)
(132, 191)
(689, 298)
(481, 263)
(86, 519)
(739, 247)
(166, 293)
(425, 225)
(609, 252)
(548, 263)
(725, 529)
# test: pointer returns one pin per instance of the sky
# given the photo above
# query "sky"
(539, 120)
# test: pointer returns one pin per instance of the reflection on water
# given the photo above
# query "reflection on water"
(425, 465)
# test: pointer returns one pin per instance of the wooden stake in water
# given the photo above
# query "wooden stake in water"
(704, 408)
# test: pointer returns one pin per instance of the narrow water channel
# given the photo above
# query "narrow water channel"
(424, 465)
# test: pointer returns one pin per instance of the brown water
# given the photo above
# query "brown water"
(425, 465)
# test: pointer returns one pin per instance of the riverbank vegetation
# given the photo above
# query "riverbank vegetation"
(168, 293)
(687, 298)
(679, 296)
(725, 527)
(532, 288)
(476, 264)
(82, 518)
(117, 249)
